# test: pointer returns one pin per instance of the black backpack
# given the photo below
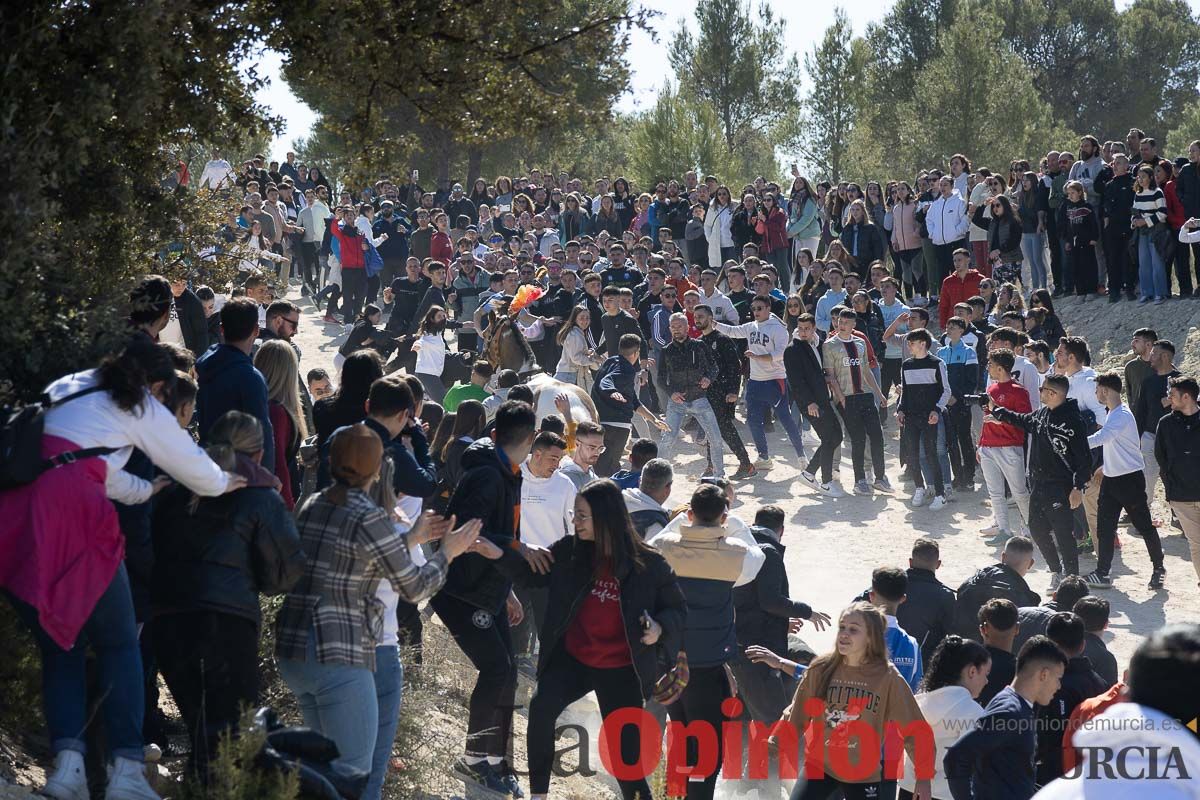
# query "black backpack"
(21, 432)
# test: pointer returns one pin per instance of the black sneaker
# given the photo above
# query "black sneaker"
(1096, 580)
(482, 774)
(1156, 578)
(509, 778)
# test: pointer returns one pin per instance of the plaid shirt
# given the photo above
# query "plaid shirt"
(350, 547)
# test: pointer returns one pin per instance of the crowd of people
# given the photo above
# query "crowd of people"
(206, 468)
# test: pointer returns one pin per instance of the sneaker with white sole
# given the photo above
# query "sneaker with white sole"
(833, 489)
(1055, 580)
(1095, 580)
(918, 497)
(991, 530)
(862, 487)
(69, 780)
(128, 782)
(764, 462)
(938, 503)
(883, 485)
(810, 480)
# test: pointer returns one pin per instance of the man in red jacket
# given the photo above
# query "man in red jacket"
(1002, 446)
(959, 286)
(352, 247)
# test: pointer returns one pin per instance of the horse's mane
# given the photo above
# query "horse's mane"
(495, 355)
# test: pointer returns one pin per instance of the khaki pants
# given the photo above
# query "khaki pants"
(1091, 504)
(1151, 469)
(1189, 518)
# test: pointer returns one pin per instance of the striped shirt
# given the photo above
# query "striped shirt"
(846, 360)
(1150, 206)
(350, 548)
(925, 385)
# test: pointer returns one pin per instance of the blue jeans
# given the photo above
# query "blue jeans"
(1152, 272)
(337, 701)
(111, 632)
(702, 411)
(943, 454)
(389, 681)
(761, 395)
(1033, 245)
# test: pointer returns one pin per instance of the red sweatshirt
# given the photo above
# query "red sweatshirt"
(350, 247)
(596, 637)
(1014, 397)
(957, 290)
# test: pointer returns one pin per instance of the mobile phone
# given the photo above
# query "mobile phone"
(416, 175)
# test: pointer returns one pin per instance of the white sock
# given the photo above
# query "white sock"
(495, 760)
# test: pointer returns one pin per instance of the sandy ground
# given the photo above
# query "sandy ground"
(833, 545)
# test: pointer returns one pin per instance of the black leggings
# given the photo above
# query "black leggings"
(484, 639)
(563, 681)
(701, 702)
(824, 788)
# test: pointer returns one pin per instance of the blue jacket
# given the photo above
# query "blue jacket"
(994, 761)
(229, 382)
(397, 229)
(904, 653)
(962, 367)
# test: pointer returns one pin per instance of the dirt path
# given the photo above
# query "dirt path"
(833, 545)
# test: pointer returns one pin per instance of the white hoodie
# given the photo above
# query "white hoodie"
(764, 338)
(950, 711)
(1083, 391)
(1154, 751)
(547, 507)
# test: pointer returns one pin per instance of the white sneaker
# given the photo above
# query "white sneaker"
(810, 480)
(938, 503)
(128, 782)
(993, 530)
(69, 781)
(833, 489)
(1055, 580)
(764, 462)
(918, 497)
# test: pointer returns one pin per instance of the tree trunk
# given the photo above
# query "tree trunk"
(474, 166)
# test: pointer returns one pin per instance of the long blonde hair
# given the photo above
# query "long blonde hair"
(234, 433)
(277, 362)
(876, 625)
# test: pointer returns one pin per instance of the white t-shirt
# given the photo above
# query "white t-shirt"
(431, 354)
(547, 507)
(174, 331)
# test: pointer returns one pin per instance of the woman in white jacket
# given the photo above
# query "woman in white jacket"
(578, 345)
(61, 548)
(717, 221)
(957, 673)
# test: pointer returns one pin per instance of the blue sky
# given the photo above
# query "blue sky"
(806, 23)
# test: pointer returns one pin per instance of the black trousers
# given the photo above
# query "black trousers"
(889, 374)
(1181, 262)
(724, 413)
(765, 691)
(412, 628)
(525, 635)
(862, 423)
(484, 638)
(1122, 276)
(825, 788)
(918, 431)
(1051, 521)
(210, 663)
(1124, 492)
(701, 702)
(354, 293)
(1054, 243)
(945, 263)
(309, 266)
(829, 431)
(615, 440)
(959, 442)
(562, 682)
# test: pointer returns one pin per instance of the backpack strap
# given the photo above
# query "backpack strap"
(71, 456)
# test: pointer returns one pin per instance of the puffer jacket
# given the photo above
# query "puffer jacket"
(1004, 234)
(708, 564)
(864, 244)
(996, 581)
(227, 552)
(652, 589)
(906, 233)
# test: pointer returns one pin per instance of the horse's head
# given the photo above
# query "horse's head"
(509, 350)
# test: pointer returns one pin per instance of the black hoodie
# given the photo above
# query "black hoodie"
(996, 581)
(1058, 450)
(490, 490)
